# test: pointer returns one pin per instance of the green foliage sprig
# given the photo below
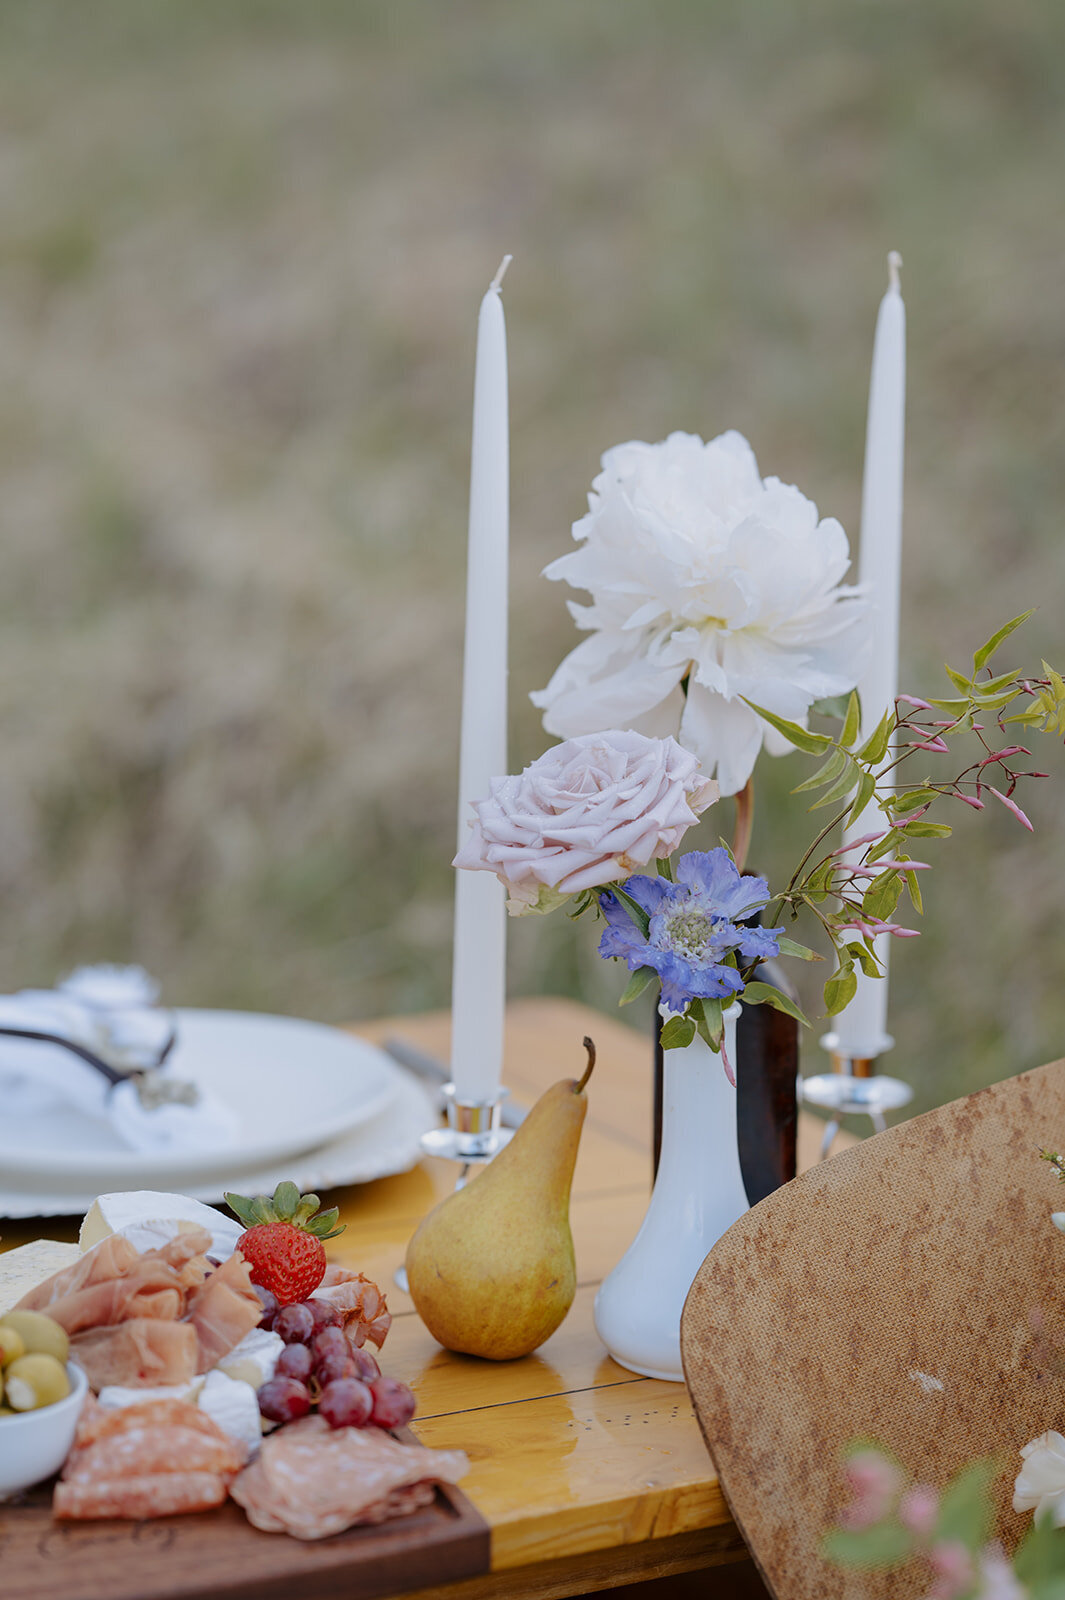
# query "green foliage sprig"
(845, 891)
(891, 1522)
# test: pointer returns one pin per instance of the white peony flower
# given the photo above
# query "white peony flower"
(699, 568)
(1040, 1484)
(588, 812)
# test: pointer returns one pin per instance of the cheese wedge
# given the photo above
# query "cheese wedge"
(115, 1395)
(149, 1218)
(23, 1268)
(233, 1405)
(254, 1359)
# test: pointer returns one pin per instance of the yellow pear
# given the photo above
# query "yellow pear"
(491, 1269)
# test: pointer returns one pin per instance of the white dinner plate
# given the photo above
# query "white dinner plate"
(387, 1144)
(294, 1086)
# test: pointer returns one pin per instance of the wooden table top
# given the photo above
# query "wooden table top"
(587, 1474)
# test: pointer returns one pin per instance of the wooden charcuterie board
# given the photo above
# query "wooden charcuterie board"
(218, 1555)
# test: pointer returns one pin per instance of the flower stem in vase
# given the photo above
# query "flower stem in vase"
(767, 1111)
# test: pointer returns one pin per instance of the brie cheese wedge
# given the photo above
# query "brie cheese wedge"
(149, 1219)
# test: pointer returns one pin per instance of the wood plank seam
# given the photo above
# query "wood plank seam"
(530, 1399)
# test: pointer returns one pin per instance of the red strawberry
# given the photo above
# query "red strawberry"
(283, 1243)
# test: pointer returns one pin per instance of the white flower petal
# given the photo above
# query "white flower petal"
(663, 720)
(626, 685)
(689, 557)
(1040, 1484)
(724, 734)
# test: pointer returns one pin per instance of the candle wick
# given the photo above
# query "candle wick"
(894, 262)
(497, 281)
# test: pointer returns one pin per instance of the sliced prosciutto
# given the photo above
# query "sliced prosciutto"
(310, 1480)
(359, 1301)
(116, 1283)
(223, 1310)
(144, 1353)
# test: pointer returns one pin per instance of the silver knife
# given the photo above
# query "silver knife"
(432, 1071)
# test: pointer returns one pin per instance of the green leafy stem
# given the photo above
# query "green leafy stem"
(844, 890)
(852, 891)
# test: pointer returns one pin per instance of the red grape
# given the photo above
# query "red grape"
(366, 1367)
(294, 1323)
(284, 1399)
(269, 1304)
(329, 1339)
(295, 1361)
(346, 1403)
(325, 1315)
(393, 1403)
(334, 1364)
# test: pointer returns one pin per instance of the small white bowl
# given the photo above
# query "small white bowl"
(34, 1444)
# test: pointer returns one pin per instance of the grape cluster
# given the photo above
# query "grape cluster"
(319, 1364)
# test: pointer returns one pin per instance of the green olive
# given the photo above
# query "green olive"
(39, 1334)
(12, 1345)
(35, 1380)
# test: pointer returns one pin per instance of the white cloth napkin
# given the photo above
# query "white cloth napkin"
(110, 1011)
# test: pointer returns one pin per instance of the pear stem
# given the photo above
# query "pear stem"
(590, 1047)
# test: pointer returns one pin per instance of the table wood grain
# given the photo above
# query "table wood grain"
(587, 1475)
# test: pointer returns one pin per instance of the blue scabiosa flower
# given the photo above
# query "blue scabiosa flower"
(693, 926)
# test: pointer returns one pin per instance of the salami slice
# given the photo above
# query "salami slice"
(154, 1495)
(310, 1480)
(100, 1423)
(150, 1449)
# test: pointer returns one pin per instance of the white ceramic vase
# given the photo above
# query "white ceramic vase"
(698, 1194)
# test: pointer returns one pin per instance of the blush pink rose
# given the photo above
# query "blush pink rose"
(589, 812)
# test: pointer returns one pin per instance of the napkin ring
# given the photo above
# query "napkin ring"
(154, 1088)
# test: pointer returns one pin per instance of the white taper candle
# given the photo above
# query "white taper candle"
(478, 984)
(861, 1028)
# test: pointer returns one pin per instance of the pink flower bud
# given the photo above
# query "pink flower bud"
(914, 816)
(919, 1508)
(912, 700)
(937, 745)
(874, 1481)
(864, 838)
(953, 1567)
(1011, 805)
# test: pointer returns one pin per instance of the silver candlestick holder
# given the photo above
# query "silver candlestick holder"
(474, 1134)
(854, 1087)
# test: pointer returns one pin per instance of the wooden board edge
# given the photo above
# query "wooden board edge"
(562, 1576)
(450, 1535)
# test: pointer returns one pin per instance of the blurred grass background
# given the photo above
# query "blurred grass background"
(241, 253)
